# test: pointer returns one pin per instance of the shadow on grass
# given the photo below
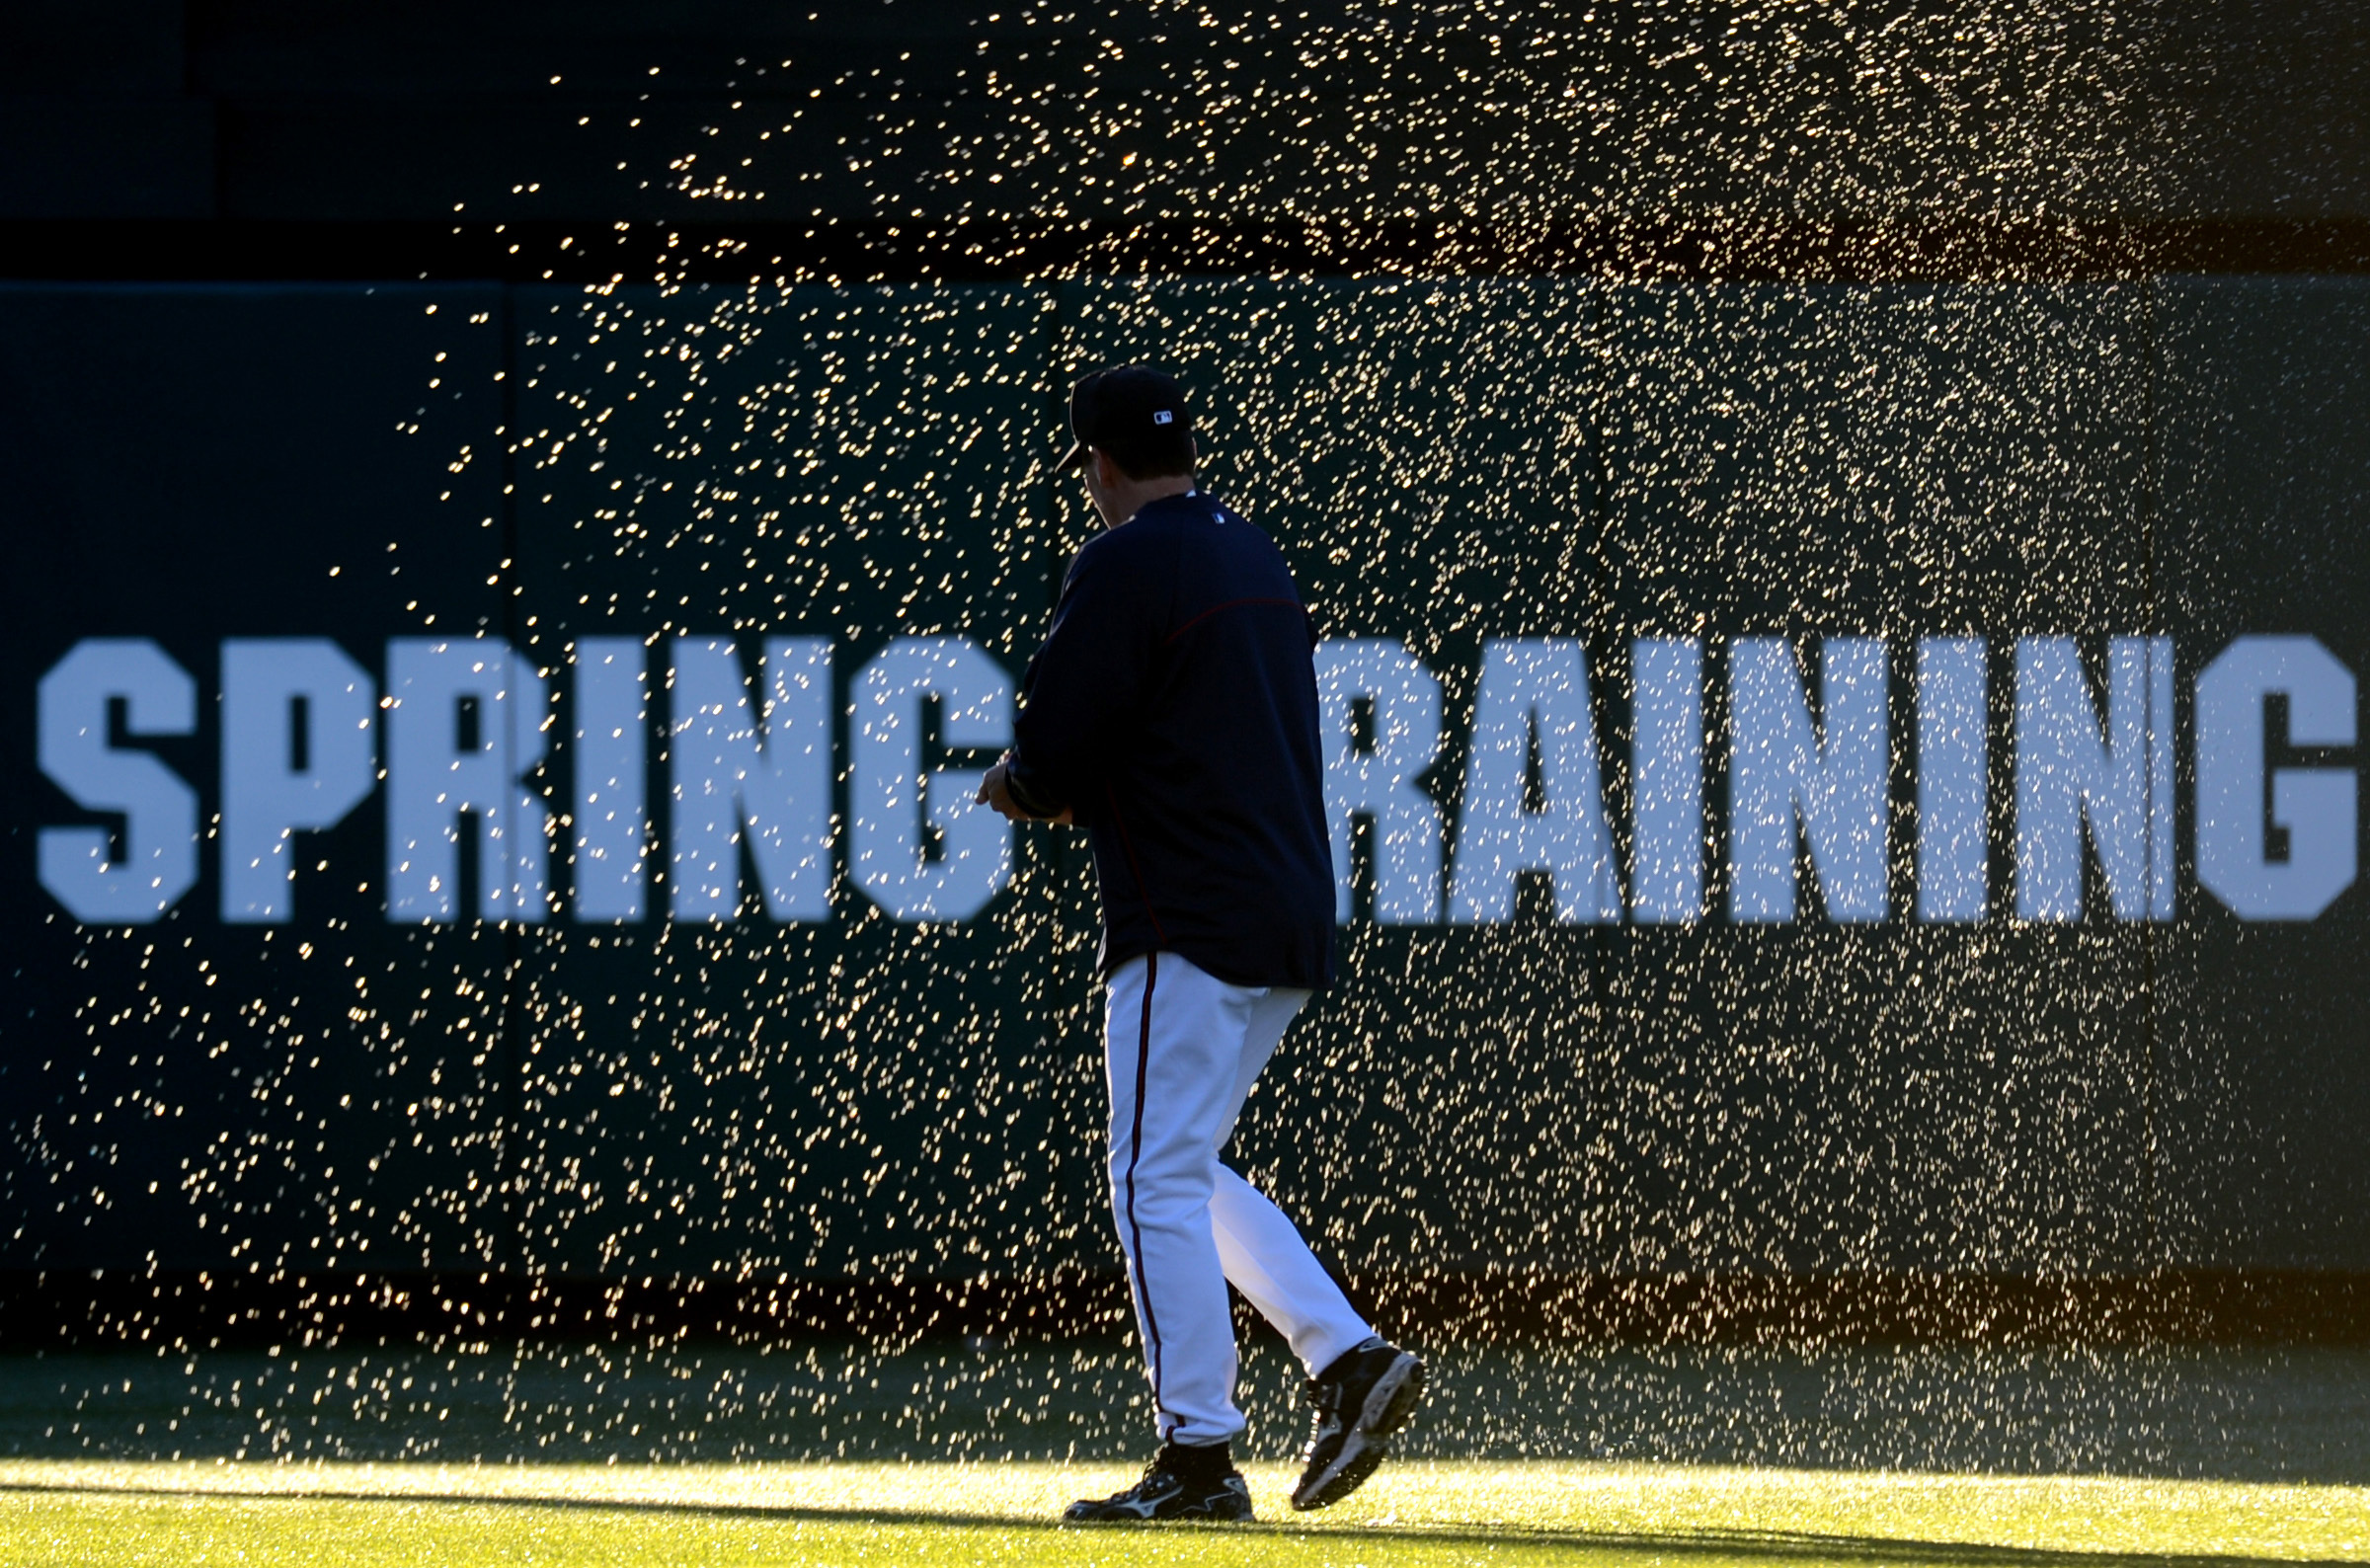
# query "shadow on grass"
(1776, 1546)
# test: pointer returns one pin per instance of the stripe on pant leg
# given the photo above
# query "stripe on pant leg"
(1144, 1288)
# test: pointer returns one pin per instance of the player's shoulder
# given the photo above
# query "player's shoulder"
(1199, 522)
(1241, 544)
(1122, 560)
(1116, 549)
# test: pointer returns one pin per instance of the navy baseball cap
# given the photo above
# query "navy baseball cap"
(1134, 413)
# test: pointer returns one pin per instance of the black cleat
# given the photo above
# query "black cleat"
(1180, 1483)
(1361, 1399)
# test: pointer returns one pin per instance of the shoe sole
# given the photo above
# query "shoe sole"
(1127, 1519)
(1388, 1406)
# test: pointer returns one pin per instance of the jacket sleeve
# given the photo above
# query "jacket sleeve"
(1082, 691)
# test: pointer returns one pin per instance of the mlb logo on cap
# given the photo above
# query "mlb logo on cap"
(1161, 416)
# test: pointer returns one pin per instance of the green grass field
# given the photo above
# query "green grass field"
(950, 1452)
(203, 1513)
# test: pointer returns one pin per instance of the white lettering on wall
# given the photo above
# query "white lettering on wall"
(1532, 708)
(2120, 780)
(895, 807)
(1953, 784)
(754, 767)
(160, 810)
(434, 778)
(271, 793)
(732, 781)
(2315, 806)
(1783, 770)
(612, 695)
(1379, 782)
(1667, 781)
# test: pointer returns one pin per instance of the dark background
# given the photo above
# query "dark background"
(1755, 320)
(152, 139)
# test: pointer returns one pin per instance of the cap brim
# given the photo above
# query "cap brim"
(1076, 457)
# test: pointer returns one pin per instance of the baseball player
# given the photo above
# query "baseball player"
(1172, 712)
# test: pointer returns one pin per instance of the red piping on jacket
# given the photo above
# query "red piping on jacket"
(1228, 605)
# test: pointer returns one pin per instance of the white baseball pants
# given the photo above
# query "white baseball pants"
(1181, 1049)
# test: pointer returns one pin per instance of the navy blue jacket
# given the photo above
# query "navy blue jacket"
(1174, 709)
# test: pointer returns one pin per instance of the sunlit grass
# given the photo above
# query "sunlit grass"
(206, 1512)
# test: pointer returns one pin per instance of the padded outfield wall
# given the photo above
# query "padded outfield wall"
(1834, 779)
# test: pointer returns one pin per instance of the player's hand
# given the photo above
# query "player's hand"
(996, 792)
